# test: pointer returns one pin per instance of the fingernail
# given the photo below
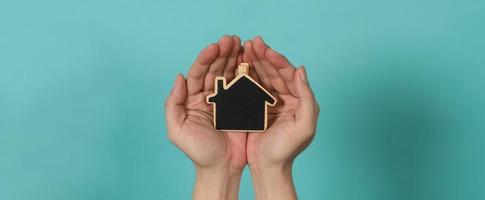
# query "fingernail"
(264, 42)
(273, 51)
(303, 76)
(175, 82)
(246, 42)
(267, 45)
(224, 36)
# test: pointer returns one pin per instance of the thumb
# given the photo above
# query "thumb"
(307, 109)
(174, 109)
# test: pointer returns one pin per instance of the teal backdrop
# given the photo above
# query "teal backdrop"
(401, 86)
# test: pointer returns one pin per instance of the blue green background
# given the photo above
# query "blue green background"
(401, 85)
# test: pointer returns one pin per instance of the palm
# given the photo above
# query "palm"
(271, 146)
(189, 119)
(289, 129)
(206, 145)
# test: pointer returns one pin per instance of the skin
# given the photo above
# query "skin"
(219, 157)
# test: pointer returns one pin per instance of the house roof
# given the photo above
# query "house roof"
(238, 81)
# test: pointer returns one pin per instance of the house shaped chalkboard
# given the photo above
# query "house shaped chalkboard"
(241, 105)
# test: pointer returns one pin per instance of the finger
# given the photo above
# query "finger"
(196, 75)
(281, 63)
(271, 72)
(231, 62)
(252, 71)
(284, 67)
(253, 74)
(307, 109)
(174, 109)
(240, 56)
(217, 67)
(257, 66)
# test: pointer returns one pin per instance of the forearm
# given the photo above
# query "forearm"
(275, 182)
(220, 184)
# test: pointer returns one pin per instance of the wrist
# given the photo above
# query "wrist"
(280, 169)
(217, 183)
(273, 181)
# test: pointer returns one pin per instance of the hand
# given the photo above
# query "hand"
(219, 157)
(292, 121)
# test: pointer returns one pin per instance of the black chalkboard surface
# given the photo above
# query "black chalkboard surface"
(241, 105)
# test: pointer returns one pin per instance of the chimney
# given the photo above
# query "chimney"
(243, 68)
(220, 85)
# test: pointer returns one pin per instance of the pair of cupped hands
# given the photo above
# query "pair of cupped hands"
(219, 156)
